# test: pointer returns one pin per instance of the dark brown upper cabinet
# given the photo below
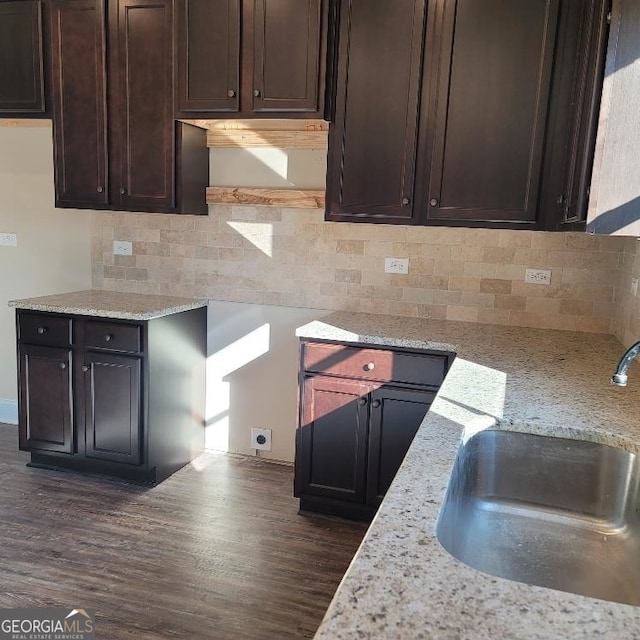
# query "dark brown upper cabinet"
(251, 58)
(116, 142)
(142, 86)
(208, 56)
(373, 139)
(493, 72)
(78, 61)
(481, 113)
(22, 79)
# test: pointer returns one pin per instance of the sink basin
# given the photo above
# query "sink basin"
(546, 511)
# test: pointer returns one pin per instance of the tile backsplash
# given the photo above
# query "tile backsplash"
(291, 257)
(626, 323)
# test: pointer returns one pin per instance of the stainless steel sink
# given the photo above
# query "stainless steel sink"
(546, 511)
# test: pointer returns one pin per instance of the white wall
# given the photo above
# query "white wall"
(268, 167)
(53, 252)
(252, 370)
(252, 367)
(614, 206)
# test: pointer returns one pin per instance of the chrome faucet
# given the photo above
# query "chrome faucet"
(620, 375)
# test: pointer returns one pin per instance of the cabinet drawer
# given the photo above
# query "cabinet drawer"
(113, 336)
(382, 365)
(44, 329)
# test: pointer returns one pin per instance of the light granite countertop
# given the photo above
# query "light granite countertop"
(110, 304)
(402, 584)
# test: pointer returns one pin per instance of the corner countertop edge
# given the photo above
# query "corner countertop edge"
(110, 304)
(401, 582)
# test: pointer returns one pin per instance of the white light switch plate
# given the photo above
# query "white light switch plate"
(396, 265)
(538, 276)
(122, 248)
(9, 239)
(634, 286)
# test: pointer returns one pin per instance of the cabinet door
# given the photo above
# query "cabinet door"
(142, 109)
(112, 408)
(372, 143)
(208, 33)
(396, 415)
(46, 406)
(331, 445)
(79, 102)
(492, 71)
(288, 55)
(21, 61)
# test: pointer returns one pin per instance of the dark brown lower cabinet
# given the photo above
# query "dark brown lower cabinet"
(46, 405)
(112, 407)
(356, 422)
(116, 397)
(332, 439)
(396, 415)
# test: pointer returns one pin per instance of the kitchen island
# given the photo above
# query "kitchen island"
(402, 583)
(111, 383)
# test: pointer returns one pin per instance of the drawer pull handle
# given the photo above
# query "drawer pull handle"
(362, 401)
(42, 330)
(370, 366)
(108, 337)
(63, 365)
(85, 368)
(376, 403)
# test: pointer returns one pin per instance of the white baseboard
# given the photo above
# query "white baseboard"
(9, 411)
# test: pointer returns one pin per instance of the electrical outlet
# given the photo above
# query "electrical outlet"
(396, 265)
(122, 248)
(261, 439)
(634, 286)
(538, 276)
(9, 239)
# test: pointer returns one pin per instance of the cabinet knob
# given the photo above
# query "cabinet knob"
(85, 368)
(433, 202)
(405, 201)
(376, 403)
(42, 330)
(108, 337)
(231, 93)
(122, 191)
(256, 93)
(63, 365)
(100, 189)
(362, 401)
(370, 366)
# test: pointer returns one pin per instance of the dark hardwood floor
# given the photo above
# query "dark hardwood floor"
(218, 551)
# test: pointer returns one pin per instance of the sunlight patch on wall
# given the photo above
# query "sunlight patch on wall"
(221, 364)
(259, 234)
(275, 159)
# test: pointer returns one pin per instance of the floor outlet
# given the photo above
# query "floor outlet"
(261, 439)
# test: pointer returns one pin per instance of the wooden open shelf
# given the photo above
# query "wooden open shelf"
(25, 123)
(267, 197)
(225, 138)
